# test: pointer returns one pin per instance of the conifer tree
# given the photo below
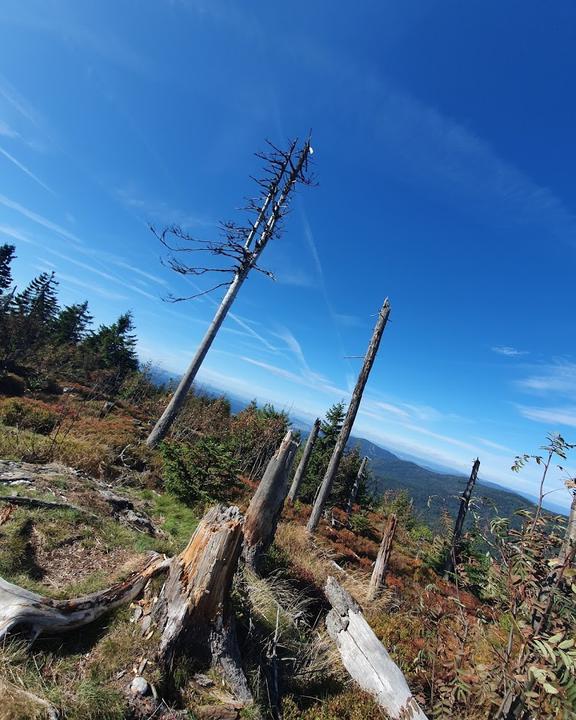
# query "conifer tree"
(71, 325)
(6, 257)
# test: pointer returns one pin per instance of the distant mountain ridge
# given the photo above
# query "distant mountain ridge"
(432, 491)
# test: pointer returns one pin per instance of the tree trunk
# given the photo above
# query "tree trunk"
(267, 502)
(452, 556)
(354, 492)
(174, 406)
(193, 610)
(301, 470)
(344, 435)
(22, 609)
(570, 536)
(381, 565)
(366, 659)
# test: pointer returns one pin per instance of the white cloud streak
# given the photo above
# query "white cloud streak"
(39, 219)
(508, 351)
(25, 170)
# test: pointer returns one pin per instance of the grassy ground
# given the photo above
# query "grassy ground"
(65, 553)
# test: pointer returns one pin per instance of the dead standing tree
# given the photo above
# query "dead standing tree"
(301, 470)
(355, 487)
(383, 558)
(267, 503)
(327, 482)
(451, 557)
(284, 170)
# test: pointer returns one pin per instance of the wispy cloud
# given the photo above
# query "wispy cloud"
(16, 234)
(160, 212)
(92, 287)
(39, 219)
(101, 273)
(7, 131)
(493, 445)
(25, 170)
(550, 416)
(18, 102)
(508, 351)
(556, 377)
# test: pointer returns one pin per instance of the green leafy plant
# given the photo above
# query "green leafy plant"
(204, 471)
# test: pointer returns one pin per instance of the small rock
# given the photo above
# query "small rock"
(203, 680)
(139, 686)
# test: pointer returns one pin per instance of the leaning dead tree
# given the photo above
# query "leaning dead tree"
(328, 481)
(355, 487)
(382, 559)
(365, 658)
(452, 555)
(267, 502)
(243, 245)
(303, 464)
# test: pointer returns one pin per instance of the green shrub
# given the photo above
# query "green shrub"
(204, 471)
(28, 415)
(360, 524)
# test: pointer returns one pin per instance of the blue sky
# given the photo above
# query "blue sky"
(444, 149)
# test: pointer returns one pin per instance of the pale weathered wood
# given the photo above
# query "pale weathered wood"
(354, 491)
(301, 470)
(267, 502)
(193, 610)
(366, 659)
(27, 611)
(570, 536)
(381, 564)
(269, 213)
(327, 482)
(452, 555)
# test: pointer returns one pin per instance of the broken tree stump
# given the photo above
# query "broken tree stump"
(382, 559)
(267, 502)
(301, 470)
(21, 609)
(365, 658)
(193, 609)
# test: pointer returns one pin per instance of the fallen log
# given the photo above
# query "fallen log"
(267, 503)
(47, 504)
(193, 609)
(365, 658)
(21, 609)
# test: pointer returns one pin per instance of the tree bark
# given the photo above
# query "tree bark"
(451, 558)
(301, 470)
(381, 565)
(354, 492)
(344, 435)
(193, 604)
(267, 503)
(366, 659)
(570, 536)
(174, 406)
(22, 609)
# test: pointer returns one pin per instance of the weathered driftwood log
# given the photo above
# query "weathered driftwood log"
(301, 469)
(267, 502)
(193, 610)
(26, 611)
(382, 559)
(366, 659)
